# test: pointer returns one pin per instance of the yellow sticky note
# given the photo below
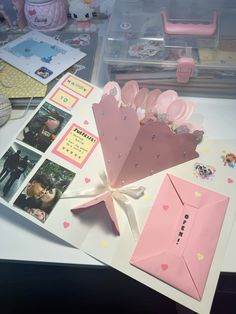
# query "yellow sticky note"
(78, 86)
(76, 145)
(63, 98)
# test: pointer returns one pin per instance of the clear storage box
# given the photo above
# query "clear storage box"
(188, 45)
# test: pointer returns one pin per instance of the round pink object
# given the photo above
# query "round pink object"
(128, 92)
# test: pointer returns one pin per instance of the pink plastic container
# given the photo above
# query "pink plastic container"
(48, 16)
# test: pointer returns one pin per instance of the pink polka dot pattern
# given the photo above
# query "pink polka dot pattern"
(133, 151)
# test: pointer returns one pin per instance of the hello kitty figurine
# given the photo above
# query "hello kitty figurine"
(82, 14)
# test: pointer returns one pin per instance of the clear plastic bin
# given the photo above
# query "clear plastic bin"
(182, 44)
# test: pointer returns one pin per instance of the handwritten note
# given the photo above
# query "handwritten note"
(76, 145)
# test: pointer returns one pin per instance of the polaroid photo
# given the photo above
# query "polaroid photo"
(43, 128)
(43, 191)
(15, 165)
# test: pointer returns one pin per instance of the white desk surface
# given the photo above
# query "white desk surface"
(21, 240)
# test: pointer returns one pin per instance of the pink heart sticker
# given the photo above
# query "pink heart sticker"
(87, 180)
(165, 207)
(32, 12)
(66, 224)
(229, 180)
(86, 122)
(164, 267)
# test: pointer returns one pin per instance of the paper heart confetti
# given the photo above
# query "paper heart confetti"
(104, 244)
(87, 180)
(200, 256)
(146, 197)
(86, 122)
(165, 207)
(164, 267)
(197, 194)
(66, 224)
(229, 180)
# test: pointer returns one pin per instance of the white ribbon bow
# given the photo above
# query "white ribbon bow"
(119, 195)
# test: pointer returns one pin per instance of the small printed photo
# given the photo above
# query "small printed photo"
(15, 165)
(43, 128)
(44, 190)
(43, 72)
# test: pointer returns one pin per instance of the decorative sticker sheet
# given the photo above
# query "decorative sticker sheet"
(40, 56)
(16, 84)
(53, 174)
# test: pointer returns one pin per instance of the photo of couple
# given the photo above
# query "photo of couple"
(15, 165)
(43, 191)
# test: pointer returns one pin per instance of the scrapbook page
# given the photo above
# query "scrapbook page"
(56, 173)
(40, 56)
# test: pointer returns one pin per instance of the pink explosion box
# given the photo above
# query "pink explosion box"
(178, 242)
(133, 151)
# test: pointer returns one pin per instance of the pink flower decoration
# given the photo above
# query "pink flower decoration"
(128, 93)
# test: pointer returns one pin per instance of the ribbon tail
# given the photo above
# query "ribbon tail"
(130, 214)
(135, 191)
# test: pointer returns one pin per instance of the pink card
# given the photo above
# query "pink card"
(179, 239)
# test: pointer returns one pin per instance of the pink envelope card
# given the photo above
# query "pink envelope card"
(133, 151)
(179, 239)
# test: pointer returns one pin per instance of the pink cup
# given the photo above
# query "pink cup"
(47, 16)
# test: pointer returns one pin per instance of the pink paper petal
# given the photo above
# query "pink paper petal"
(164, 100)
(186, 115)
(152, 98)
(176, 110)
(113, 88)
(141, 97)
(128, 93)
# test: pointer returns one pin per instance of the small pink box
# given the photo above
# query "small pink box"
(179, 239)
